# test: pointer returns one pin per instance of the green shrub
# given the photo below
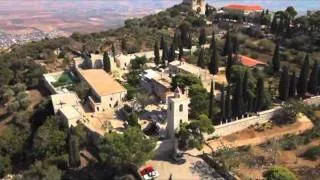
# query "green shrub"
(279, 173)
(312, 153)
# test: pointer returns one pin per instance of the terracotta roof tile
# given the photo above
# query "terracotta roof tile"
(244, 7)
(249, 62)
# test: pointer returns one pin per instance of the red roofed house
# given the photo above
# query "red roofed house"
(243, 9)
(250, 62)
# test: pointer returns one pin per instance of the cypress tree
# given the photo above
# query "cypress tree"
(293, 85)
(227, 46)
(211, 100)
(238, 98)
(313, 81)
(214, 61)
(172, 54)
(106, 62)
(164, 53)
(223, 103)
(156, 54)
(259, 94)
(74, 152)
(124, 44)
(284, 84)
(189, 41)
(235, 47)
(229, 66)
(245, 85)
(180, 51)
(276, 58)
(200, 62)
(176, 40)
(213, 41)
(162, 42)
(274, 24)
(228, 103)
(113, 49)
(202, 37)
(303, 78)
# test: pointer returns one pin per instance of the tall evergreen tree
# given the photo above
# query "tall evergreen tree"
(229, 66)
(189, 41)
(276, 58)
(235, 47)
(162, 42)
(293, 85)
(74, 152)
(238, 98)
(180, 51)
(202, 37)
(156, 53)
(164, 53)
(223, 104)
(274, 24)
(200, 62)
(303, 78)
(113, 49)
(124, 44)
(228, 103)
(106, 62)
(245, 86)
(313, 81)
(211, 101)
(213, 41)
(214, 61)
(228, 44)
(172, 53)
(176, 40)
(259, 94)
(284, 84)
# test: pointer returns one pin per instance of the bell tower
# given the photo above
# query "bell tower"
(177, 111)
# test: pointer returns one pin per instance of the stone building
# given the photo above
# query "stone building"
(177, 112)
(196, 5)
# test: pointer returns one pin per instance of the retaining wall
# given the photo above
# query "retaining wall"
(261, 117)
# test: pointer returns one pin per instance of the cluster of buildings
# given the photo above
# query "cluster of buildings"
(7, 40)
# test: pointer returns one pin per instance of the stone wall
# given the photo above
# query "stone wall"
(261, 117)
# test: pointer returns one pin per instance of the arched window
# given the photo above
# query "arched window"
(181, 108)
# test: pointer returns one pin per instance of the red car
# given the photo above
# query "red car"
(149, 173)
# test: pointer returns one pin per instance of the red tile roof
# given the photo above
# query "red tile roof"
(249, 62)
(244, 7)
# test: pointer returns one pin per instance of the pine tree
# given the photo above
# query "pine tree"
(106, 62)
(214, 61)
(200, 62)
(259, 94)
(172, 54)
(202, 37)
(313, 81)
(223, 103)
(228, 103)
(303, 78)
(293, 85)
(164, 53)
(74, 152)
(180, 52)
(284, 84)
(238, 98)
(156, 54)
(276, 58)
(113, 49)
(228, 45)
(211, 100)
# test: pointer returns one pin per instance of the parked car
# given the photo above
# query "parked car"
(149, 173)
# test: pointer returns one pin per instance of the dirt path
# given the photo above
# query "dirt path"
(251, 137)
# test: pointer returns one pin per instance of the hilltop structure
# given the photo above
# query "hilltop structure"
(242, 9)
(196, 5)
